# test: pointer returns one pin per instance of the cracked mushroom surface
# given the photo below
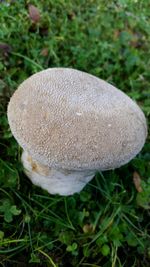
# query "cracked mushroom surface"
(73, 123)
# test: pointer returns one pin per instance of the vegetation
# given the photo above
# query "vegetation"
(107, 224)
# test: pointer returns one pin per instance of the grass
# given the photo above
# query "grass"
(107, 224)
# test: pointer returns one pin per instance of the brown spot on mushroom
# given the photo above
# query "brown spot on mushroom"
(37, 167)
(34, 166)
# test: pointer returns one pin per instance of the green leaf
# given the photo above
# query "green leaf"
(102, 240)
(14, 210)
(66, 237)
(9, 210)
(34, 258)
(105, 250)
(132, 240)
(143, 198)
(85, 196)
(8, 216)
(1, 235)
(72, 247)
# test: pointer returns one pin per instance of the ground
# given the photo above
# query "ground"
(107, 224)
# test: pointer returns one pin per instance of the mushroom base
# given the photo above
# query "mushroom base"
(62, 182)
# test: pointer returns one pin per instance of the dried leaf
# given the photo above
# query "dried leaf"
(137, 182)
(71, 16)
(44, 52)
(88, 228)
(136, 40)
(34, 13)
(43, 31)
(5, 48)
(116, 34)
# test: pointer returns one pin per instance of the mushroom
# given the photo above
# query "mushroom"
(71, 124)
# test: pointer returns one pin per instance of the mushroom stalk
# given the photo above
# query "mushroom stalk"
(55, 181)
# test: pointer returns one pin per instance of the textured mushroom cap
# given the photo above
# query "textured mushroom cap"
(69, 119)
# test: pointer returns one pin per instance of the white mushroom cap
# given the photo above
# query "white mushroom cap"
(72, 120)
